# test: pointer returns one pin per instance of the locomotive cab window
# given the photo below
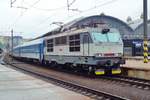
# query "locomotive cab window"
(49, 45)
(99, 37)
(74, 43)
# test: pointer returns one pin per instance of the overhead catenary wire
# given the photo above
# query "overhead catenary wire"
(92, 8)
(22, 13)
(12, 2)
(103, 4)
(32, 6)
(22, 5)
(55, 9)
(100, 5)
(43, 9)
(70, 4)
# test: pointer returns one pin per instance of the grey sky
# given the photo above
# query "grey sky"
(36, 20)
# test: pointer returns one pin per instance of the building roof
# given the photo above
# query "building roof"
(112, 22)
(100, 19)
(141, 25)
(138, 28)
(135, 24)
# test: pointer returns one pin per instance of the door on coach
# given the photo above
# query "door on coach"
(86, 45)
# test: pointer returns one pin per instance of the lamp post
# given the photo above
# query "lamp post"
(12, 42)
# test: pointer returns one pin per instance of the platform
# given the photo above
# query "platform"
(135, 57)
(136, 64)
(136, 68)
(15, 85)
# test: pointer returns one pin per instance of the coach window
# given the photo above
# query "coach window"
(50, 45)
(74, 43)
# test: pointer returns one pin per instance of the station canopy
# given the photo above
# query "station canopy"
(95, 21)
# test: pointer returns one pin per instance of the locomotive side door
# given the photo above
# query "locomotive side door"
(86, 46)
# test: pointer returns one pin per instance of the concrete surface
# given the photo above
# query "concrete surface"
(15, 85)
(136, 68)
(135, 57)
(137, 64)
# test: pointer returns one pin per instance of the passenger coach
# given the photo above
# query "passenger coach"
(31, 51)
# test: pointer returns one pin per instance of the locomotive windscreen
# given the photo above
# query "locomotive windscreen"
(107, 37)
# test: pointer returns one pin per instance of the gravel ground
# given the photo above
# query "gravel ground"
(99, 84)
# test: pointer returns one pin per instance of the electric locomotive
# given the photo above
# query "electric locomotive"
(94, 49)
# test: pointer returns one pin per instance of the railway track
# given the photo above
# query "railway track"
(135, 82)
(131, 81)
(125, 80)
(92, 93)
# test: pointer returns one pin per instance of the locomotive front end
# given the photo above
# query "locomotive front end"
(107, 49)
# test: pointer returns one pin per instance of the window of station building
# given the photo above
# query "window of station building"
(74, 43)
(61, 40)
(49, 45)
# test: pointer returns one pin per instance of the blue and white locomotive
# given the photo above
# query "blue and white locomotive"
(94, 49)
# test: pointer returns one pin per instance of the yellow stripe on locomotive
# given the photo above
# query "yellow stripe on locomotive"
(116, 71)
(100, 72)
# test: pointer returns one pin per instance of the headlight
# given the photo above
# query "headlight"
(119, 54)
(98, 55)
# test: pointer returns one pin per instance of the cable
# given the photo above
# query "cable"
(35, 3)
(33, 6)
(22, 13)
(45, 20)
(95, 7)
(45, 9)
(106, 3)
(81, 11)
(87, 10)
(12, 2)
(72, 3)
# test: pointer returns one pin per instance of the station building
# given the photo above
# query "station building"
(137, 38)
